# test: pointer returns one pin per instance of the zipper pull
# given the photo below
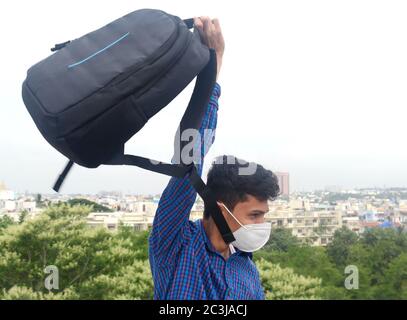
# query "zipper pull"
(59, 46)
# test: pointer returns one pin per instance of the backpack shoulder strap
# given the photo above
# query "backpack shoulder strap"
(180, 171)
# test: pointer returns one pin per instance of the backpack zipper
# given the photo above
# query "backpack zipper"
(153, 57)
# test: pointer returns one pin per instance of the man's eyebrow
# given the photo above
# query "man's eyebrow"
(259, 211)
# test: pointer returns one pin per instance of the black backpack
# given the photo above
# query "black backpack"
(95, 92)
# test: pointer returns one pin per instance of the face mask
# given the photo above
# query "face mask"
(250, 237)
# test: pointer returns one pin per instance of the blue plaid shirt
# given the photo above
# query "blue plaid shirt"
(183, 261)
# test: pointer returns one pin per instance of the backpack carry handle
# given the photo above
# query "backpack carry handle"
(189, 22)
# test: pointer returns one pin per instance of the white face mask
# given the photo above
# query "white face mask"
(250, 237)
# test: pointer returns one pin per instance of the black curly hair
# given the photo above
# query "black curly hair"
(230, 186)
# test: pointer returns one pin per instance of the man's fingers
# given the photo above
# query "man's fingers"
(211, 33)
(199, 26)
(198, 23)
(207, 26)
(216, 25)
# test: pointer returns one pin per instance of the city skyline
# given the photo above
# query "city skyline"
(327, 188)
(311, 217)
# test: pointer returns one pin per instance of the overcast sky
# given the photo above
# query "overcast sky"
(315, 88)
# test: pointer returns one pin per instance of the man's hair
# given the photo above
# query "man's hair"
(231, 184)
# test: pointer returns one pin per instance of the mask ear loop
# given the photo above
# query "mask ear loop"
(243, 226)
(233, 216)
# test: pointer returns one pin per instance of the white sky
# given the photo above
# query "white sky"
(315, 88)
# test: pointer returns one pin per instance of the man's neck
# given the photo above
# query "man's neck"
(215, 237)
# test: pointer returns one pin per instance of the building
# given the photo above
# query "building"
(283, 183)
(112, 220)
(300, 204)
(5, 194)
(399, 217)
(369, 216)
(352, 223)
(12, 206)
(315, 227)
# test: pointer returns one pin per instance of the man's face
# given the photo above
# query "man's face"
(250, 211)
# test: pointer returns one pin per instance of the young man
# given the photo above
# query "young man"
(190, 260)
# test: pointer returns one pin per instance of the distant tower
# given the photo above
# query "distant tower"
(283, 182)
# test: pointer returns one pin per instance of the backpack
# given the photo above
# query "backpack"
(94, 93)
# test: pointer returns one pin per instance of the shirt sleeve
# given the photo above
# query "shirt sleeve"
(177, 199)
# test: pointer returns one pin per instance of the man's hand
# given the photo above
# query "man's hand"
(211, 35)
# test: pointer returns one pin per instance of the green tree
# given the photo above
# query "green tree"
(281, 239)
(376, 255)
(338, 249)
(23, 216)
(394, 285)
(93, 263)
(310, 262)
(282, 283)
(5, 221)
(361, 256)
(95, 206)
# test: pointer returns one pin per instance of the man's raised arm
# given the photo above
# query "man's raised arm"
(179, 196)
(172, 215)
